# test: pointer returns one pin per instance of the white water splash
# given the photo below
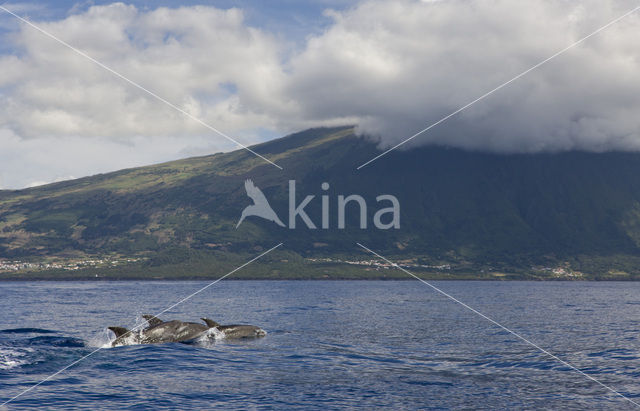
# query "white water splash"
(103, 339)
(106, 337)
(12, 357)
(132, 338)
(141, 322)
(210, 336)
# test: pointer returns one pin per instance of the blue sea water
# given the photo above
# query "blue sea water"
(330, 344)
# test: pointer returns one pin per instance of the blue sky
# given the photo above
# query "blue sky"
(291, 18)
(260, 69)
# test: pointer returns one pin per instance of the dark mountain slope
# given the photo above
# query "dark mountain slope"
(472, 210)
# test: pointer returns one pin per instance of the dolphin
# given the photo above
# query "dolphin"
(236, 330)
(159, 331)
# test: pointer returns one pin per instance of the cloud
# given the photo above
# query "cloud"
(392, 67)
(64, 115)
(399, 66)
(192, 56)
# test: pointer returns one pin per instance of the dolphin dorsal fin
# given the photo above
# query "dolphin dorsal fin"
(210, 323)
(119, 331)
(152, 320)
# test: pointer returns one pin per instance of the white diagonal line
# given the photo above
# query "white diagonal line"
(500, 325)
(445, 118)
(133, 83)
(140, 325)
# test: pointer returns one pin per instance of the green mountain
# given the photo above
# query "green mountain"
(462, 215)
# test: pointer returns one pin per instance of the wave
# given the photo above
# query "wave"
(27, 331)
(27, 345)
(14, 357)
(55, 341)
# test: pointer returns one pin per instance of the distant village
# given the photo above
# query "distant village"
(556, 272)
(376, 263)
(561, 272)
(17, 266)
(7, 266)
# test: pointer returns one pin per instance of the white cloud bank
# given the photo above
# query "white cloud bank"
(392, 67)
(195, 57)
(400, 66)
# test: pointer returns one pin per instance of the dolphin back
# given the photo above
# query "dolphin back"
(242, 331)
(152, 320)
(210, 323)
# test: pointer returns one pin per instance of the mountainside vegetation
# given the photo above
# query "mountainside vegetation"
(570, 215)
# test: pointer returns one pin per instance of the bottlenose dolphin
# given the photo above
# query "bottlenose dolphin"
(160, 331)
(236, 330)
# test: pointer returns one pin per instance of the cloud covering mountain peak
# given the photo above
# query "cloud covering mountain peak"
(391, 67)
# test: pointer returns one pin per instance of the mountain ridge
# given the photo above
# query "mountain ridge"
(484, 215)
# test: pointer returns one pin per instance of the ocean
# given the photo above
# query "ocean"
(329, 344)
